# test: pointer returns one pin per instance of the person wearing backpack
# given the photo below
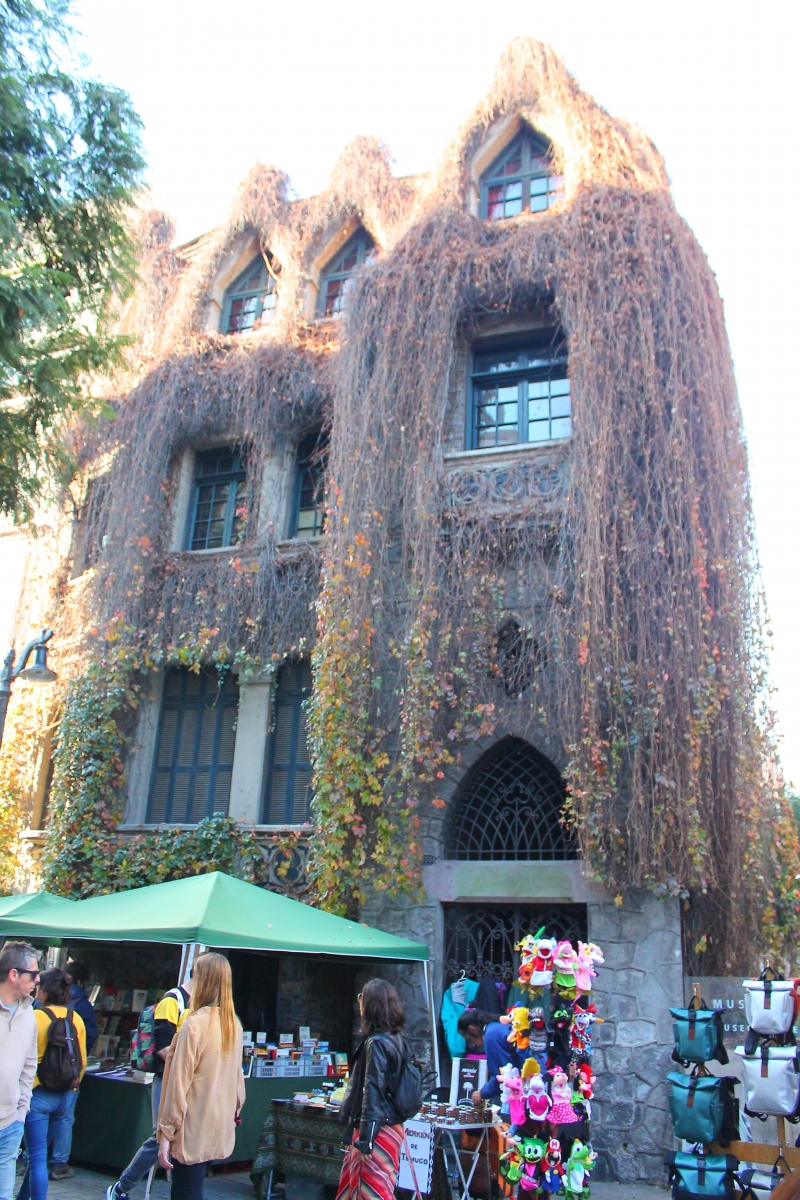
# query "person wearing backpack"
(61, 1054)
(375, 1104)
(158, 1025)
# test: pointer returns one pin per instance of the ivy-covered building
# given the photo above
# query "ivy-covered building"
(415, 576)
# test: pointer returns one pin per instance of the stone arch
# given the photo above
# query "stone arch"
(508, 808)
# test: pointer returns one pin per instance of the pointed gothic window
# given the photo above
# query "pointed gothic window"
(251, 299)
(521, 179)
(338, 273)
(509, 808)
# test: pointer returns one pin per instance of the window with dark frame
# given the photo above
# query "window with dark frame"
(251, 299)
(287, 791)
(219, 505)
(194, 751)
(520, 394)
(336, 275)
(308, 512)
(521, 179)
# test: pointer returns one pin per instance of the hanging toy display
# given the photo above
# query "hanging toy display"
(552, 1167)
(565, 962)
(520, 1028)
(589, 956)
(533, 1152)
(548, 1085)
(578, 1168)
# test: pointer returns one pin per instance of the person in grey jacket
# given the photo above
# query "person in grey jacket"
(19, 974)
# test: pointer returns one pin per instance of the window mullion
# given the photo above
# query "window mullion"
(291, 766)
(522, 410)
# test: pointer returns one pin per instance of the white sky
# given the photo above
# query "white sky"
(223, 85)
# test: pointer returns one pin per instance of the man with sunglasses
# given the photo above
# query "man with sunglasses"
(19, 974)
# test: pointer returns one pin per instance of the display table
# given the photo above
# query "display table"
(470, 1148)
(112, 1118)
(297, 1141)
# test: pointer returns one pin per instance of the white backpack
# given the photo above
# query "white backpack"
(769, 1005)
(771, 1081)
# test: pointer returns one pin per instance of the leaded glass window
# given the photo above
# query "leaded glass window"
(520, 394)
(251, 299)
(287, 795)
(521, 179)
(194, 751)
(308, 512)
(219, 508)
(338, 273)
(509, 808)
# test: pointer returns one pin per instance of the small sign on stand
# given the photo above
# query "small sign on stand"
(419, 1136)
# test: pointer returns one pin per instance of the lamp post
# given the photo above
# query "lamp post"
(37, 672)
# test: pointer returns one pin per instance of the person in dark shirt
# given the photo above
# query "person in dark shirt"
(171, 1011)
(79, 973)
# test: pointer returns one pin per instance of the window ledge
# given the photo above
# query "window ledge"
(238, 549)
(456, 456)
(306, 829)
(295, 545)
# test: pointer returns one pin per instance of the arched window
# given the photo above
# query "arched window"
(334, 278)
(509, 808)
(521, 179)
(250, 300)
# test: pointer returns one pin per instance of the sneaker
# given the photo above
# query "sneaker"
(115, 1192)
(61, 1171)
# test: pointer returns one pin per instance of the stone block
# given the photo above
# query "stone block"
(614, 1114)
(652, 1063)
(604, 1035)
(598, 1061)
(620, 1059)
(621, 1008)
(660, 948)
(636, 1033)
(623, 1166)
(630, 1087)
(633, 926)
(603, 921)
(622, 954)
(628, 981)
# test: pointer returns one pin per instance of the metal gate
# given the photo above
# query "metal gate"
(479, 938)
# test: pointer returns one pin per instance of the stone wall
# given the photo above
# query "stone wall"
(642, 978)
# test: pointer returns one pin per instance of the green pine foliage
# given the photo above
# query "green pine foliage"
(70, 163)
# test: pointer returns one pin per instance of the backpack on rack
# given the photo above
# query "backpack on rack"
(769, 1004)
(143, 1042)
(704, 1108)
(771, 1081)
(61, 1065)
(698, 1035)
(701, 1176)
(758, 1184)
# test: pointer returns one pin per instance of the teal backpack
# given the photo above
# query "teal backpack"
(701, 1176)
(698, 1035)
(703, 1108)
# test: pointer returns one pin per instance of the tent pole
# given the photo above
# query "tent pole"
(428, 985)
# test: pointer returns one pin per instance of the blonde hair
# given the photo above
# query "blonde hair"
(212, 989)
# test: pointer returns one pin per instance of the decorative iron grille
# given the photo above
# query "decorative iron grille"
(509, 808)
(479, 939)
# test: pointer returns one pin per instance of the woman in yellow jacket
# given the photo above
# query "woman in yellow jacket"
(203, 1083)
(52, 1111)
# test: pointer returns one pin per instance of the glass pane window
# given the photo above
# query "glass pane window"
(521, 394)
(534, 187)
(219, 511)
(194, 752)
(287, 794)
(308, 511)
(250, 301)
(333, 282)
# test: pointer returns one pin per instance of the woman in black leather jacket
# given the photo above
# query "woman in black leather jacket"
(374, 1128)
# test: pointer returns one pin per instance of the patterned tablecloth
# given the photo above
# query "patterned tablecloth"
(298, 1141)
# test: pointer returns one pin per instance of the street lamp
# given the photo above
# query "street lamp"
(37, 672)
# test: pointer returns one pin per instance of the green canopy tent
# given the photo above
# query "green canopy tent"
(30, 902)
(214, 910)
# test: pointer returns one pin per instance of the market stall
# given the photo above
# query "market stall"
(295, 968)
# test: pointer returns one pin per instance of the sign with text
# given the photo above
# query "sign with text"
(419, 1136)
(468, 1076)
